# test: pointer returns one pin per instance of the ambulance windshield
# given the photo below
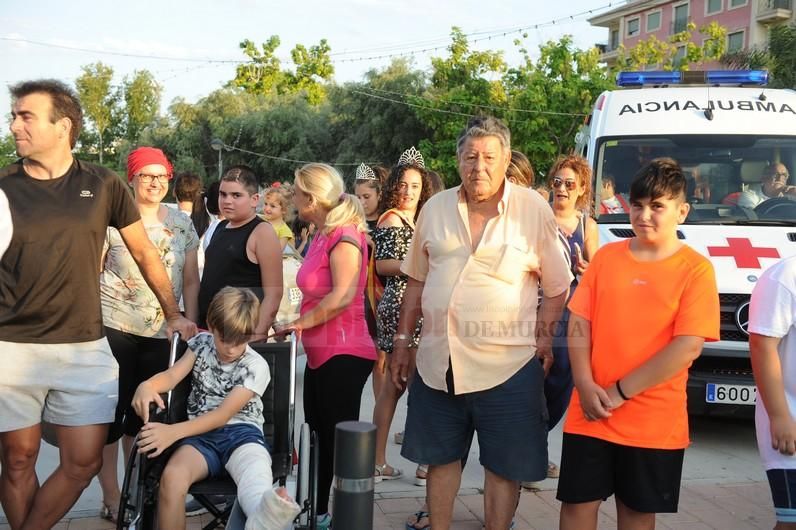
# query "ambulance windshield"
(731, 179)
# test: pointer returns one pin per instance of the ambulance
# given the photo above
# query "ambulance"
(725, 128)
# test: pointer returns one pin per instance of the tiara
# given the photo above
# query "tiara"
(411, 157)
(365, 172)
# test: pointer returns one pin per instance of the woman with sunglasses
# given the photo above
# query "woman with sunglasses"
(570, 188)
(131, 314)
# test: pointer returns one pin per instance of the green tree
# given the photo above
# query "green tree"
(679, 52)
(465, 83)
(550, 98)
(264, 73)
(100, 102)
(141, 102)
(778, 56)
(367, 125)
(8, 150)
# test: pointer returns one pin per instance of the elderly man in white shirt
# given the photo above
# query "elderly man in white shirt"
(773, 184)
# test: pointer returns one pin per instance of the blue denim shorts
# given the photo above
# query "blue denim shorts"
(510, 419)
(218, 445)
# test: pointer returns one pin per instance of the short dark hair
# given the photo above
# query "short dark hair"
(661, 177)
(243, 175)
(187, 187)
(65, 103)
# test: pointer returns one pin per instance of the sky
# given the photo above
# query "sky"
(178, 30)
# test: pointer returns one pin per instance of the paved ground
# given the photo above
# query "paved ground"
(723, 486)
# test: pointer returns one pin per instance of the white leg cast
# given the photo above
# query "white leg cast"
(250, 468)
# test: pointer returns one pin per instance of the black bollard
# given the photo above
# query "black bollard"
(354, 465)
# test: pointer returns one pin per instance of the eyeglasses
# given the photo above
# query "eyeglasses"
(780, 176)
(147, 179)
(569, 184)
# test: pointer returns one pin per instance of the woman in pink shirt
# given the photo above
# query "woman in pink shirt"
(340, 351)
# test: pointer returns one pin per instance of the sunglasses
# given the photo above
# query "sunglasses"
(568, 184)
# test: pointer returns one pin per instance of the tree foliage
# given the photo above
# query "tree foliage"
(665, 54)
(264, 73)
(778, 57)
(141, 102)
(100, 101)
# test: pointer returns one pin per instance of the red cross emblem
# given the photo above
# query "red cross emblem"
(746, 256)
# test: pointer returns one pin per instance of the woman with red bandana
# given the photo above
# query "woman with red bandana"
(132, 317)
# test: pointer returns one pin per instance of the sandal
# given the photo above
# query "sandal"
(421, 475)
(419, 516)
(381, 473)
(108, 513)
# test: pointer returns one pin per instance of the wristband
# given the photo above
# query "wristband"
(619, 389)
(400, 336)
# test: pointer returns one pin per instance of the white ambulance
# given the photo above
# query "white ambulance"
(725, 129)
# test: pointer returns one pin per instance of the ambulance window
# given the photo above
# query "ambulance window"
(730, 179)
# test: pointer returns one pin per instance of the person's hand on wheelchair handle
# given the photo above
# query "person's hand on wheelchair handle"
(144, 395)
(155, 438)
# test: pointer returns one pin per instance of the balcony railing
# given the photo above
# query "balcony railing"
(774, 10)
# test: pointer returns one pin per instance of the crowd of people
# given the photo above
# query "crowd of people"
(488, 302)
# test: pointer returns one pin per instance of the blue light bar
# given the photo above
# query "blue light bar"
(712, 77)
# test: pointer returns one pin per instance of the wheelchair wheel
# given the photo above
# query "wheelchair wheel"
(137, 506)
(306, 479)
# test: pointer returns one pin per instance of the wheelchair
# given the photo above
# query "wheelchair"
(139, 495)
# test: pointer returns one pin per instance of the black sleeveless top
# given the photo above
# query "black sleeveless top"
(226, 264)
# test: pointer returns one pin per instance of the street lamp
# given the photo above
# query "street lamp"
(218, 145)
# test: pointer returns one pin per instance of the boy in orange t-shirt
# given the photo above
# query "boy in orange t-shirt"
(640, 316)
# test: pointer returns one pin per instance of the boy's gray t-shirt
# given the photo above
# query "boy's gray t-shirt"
(213, 381)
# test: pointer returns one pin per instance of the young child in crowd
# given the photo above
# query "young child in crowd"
(225, 418)
(772, 342)
(627, 426)
(275, 206)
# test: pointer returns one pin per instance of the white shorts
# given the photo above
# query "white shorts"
(63, 384)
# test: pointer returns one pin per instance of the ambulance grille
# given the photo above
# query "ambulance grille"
(628, 233)
(728, 328)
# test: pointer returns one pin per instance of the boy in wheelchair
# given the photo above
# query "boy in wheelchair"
(225, 418)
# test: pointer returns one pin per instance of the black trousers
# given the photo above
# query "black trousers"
(332, 393)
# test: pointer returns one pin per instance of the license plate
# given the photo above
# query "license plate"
(733, 394)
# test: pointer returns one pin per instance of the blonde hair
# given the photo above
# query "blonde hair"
(233, 314)
(325, 185)
(283, 197)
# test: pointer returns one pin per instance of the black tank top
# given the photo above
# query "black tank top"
(226, 264)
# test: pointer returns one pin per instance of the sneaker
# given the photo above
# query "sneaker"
(194, 507)
(323, 522)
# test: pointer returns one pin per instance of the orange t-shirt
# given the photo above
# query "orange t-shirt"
(635, 309)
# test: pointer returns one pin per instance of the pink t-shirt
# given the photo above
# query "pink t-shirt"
(347, 333)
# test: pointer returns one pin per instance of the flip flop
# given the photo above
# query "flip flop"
(419, 516)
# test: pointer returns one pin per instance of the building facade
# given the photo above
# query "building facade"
(747, 21)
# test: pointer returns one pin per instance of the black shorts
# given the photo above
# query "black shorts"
(644, 480)
(139, 359)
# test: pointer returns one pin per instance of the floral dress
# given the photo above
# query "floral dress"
(128, 304)
(392, 242)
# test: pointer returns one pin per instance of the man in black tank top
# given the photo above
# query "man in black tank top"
(244, 250)
(57, 365)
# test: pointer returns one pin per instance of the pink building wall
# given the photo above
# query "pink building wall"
(734, 20)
